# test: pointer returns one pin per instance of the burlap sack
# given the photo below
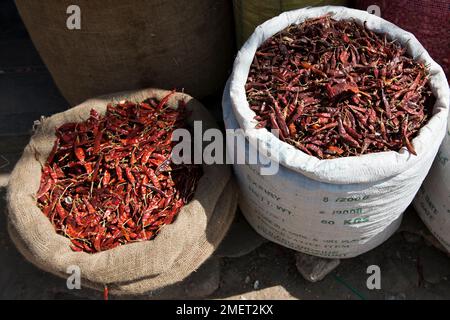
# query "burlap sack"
(135, 268)
(133, 44)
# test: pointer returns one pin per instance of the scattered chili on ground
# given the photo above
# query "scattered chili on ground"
(109, 180)
(336, 89)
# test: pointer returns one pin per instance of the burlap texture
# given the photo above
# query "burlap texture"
(126, 45)
(135, 268)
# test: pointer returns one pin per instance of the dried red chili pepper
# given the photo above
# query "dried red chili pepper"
(336, 89)
(100, 191)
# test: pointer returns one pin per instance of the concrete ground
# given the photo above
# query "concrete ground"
(244, 267)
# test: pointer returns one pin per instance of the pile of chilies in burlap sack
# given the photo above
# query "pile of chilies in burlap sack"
(110, 180)
(336, 89)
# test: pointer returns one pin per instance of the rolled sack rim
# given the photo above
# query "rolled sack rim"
(346, 170)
